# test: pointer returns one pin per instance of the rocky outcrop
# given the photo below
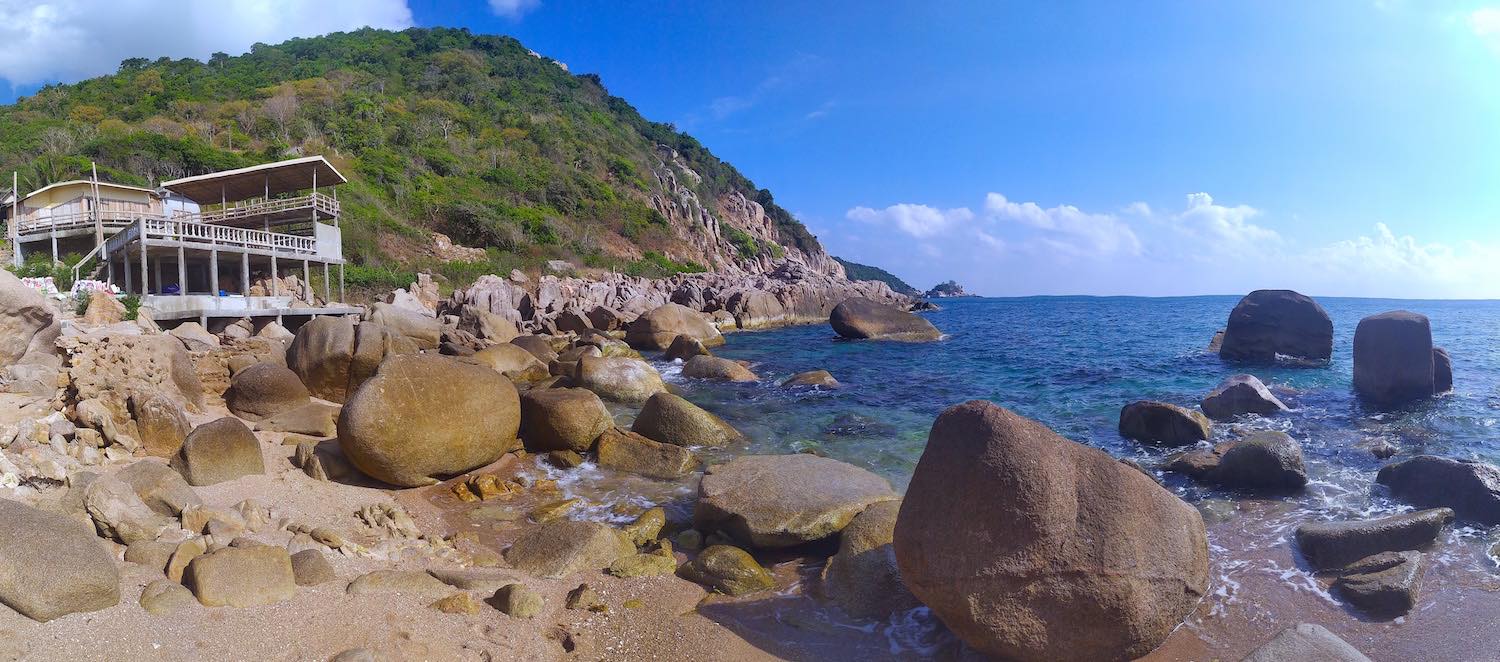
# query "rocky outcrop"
(1329, 545)
(28, 324)
(1029, 546)
(1241, 394)
(1268, 323)
(1469, 487)
(467, 415)
(1393, 358)
(1163, 423)
(50, 566)
(658, 327)
(1442, 371)
(861, 318)
(778, 501)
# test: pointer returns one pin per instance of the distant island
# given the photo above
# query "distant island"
(857, 271)
(947, 290)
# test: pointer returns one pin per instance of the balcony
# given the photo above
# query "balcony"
(322, 246)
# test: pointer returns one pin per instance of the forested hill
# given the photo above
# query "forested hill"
(857, 271)
(440, 130)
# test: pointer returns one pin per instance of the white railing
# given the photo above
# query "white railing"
(207, 236)
(37, 224)
(324, 205)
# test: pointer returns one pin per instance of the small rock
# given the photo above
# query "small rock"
(1383, 585)
(564, 459)
(1267, 459)
(120, 514)
(646, 527)
(584, 597)
(165, 596)
(518, 601)
(458, 603)
(242, 576)
(470, 579)
(684, 348)
(1159, 422)
(183, 555)
(643, 565)
(310, 568)
(690, 539)
(408, 582)
(564, 547)
(1241, 394)
(153, 554)
(161, 488)
(553, 510)
(728, 570)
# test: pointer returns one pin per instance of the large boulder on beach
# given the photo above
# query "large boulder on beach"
(219, 451)
(264, 390)
(658, 327)
(671, 419)
(1163, 423)
(1328, 545)
(513, 362)
(862, 577)
(51, 565)
(1267, 459)
(28, 324)
(159, 487)
(1267, 323)
(715, 368)
(861, 318)
(564, 547)
(423, 416)
(1442, 371)
(728, 570)
(778, 501)
(1241, 394)
(1393, 358)
(1471, 488)
(161, 422)
(538, 346)
(241, 576)
(562, 419)
(1029, 546)
(320, 355)
(618, 378)
(1306, 643)
(623, 450)
(423, 330)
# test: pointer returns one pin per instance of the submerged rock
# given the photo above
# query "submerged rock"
(1393, 358)
(818, 378)
(1329, 545)
(1469, 487)
(1306, 643)
(672, 419)
(728, 570)
(713, 367)
(861, 318)
(1267, 323)
(51, 566)
(1384, 585)
(1029, 546)
(1163, 423)
(775, 501)
(467, 416)
(1241, 394)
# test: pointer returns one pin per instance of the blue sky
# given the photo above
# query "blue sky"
(1338, 147)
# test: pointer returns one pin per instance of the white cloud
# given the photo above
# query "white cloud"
(1222, 227)
(68, 40)
(513, 9)
(920, 221)
(1067, 228)
(1485, 22)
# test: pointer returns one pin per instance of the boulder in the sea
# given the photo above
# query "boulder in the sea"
(1471, 488)
(623, 450)
(684, 348)
(310, 568)
(776, 501)
(1306, 643)
(1267, 459)
(1328, 545)
(1267, 323)
(1029, 546)
(658, 327)
(564, 547)
(423, 416)
(264, 390)
(728, 570)
(713, 367)
(1393, 358)
(1442, 371)
(619, 378)
(1241, 394)
(562, 419)
(817, 378)
(1385, 585)
(50, 565)
(241, 576)
(671, 419)
(1163, 423)
(219, 451)
(861, 318)
(862, 577)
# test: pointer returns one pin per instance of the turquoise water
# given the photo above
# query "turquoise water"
(1072, 362)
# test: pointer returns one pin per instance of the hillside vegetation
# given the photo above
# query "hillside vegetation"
(857, 271)
(438, 130)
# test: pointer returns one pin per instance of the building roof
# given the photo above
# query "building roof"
(71, 182)
(256, 181)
